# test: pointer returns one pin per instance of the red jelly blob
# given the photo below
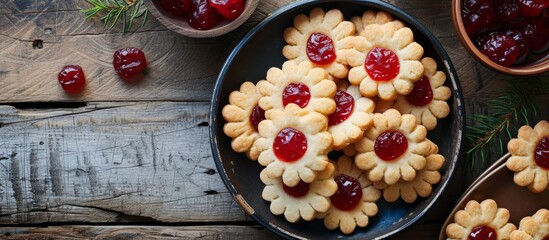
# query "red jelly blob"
(299, 190)
(422, 94)
(382, 64)
(320, 49)
(344, 107)
(258, 115)
(541, 155)
(129, 61)
(297, 93)
(229, 9)
(72, 79)
(501, 49)
(348, 194)
(483, 233)
(390, 145)
(531, 8)
(480, 17)
(290, 145)
(175, 7)
(201, 16)
(546, 237)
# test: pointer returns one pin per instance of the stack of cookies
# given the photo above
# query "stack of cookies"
(361, 87)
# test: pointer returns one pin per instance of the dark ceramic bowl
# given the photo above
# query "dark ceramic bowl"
(260, 50)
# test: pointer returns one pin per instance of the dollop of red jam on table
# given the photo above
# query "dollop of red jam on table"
(348, 194)
(422, 94)
(382, 64)
(320, 49)
(390, 145)
(297, 93)
(72, 79)
(258, 115)
(483, 232)
(299, 190)
(290, 145)
(129, 62)
(344, 108)
(541, 155)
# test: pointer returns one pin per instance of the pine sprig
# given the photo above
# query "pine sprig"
(115, 10)
(514, 106)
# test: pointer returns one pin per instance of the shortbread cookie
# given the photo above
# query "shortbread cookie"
(318, 39)
(354, 201)
(478, 221)
(352, 115)
(302, 201)
(533, 227)
(394, 147)
(427, 101)
(303, 85)
(294, 144)
(422, 184)
(385, 61)
(374, 17)
(243, 116)
(530, 157)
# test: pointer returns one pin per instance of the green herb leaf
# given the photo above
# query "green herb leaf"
(115, 10)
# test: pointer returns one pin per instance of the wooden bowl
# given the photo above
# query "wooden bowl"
(531, 68)
(181, 26)
(260, 50)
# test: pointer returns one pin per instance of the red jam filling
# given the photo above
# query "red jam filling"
(382, 64)
(258, 115)
(320, 49)
(290, 145)
(422, 94)
(299, 190)
(344, 107)
(348, 194)
(541, 155)
(390, 145)
(297, 93)
(483, 233)
(546, 237)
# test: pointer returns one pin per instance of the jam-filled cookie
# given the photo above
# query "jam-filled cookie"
(354, 201)
(534, 227)
(530, 157)
(294, 144)
(374, 17)
(318, 38)
(385, 61)
(394, 147)
(422, 184)
(300, 84)
(352, 115)
(427, 101)
(243, 116)
(304, 200)
(481, 221)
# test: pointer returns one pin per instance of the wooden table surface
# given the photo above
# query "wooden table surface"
(133, 160)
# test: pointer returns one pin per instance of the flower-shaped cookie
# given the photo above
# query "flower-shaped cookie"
(533, 227)
(318, 39)
(394, 147)
(243, 116)
(427, 101)
(354, 201)
(421, 185)
(294, 144)
(304, 200)
(385, 61)
(530, 157)
(301, 84)
(374, 17)
(484, 219)
(352, 115)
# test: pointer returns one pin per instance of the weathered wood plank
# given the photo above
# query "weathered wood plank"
(146, 161)
(423, 231)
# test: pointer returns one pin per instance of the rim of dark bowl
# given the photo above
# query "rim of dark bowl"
(398, 13)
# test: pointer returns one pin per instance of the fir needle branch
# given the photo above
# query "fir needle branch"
(115, 10)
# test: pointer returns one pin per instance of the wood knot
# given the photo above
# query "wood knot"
(203, 124)
(37, 44)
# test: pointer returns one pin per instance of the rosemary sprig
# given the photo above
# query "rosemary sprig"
(514, 106)
(126, 10)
